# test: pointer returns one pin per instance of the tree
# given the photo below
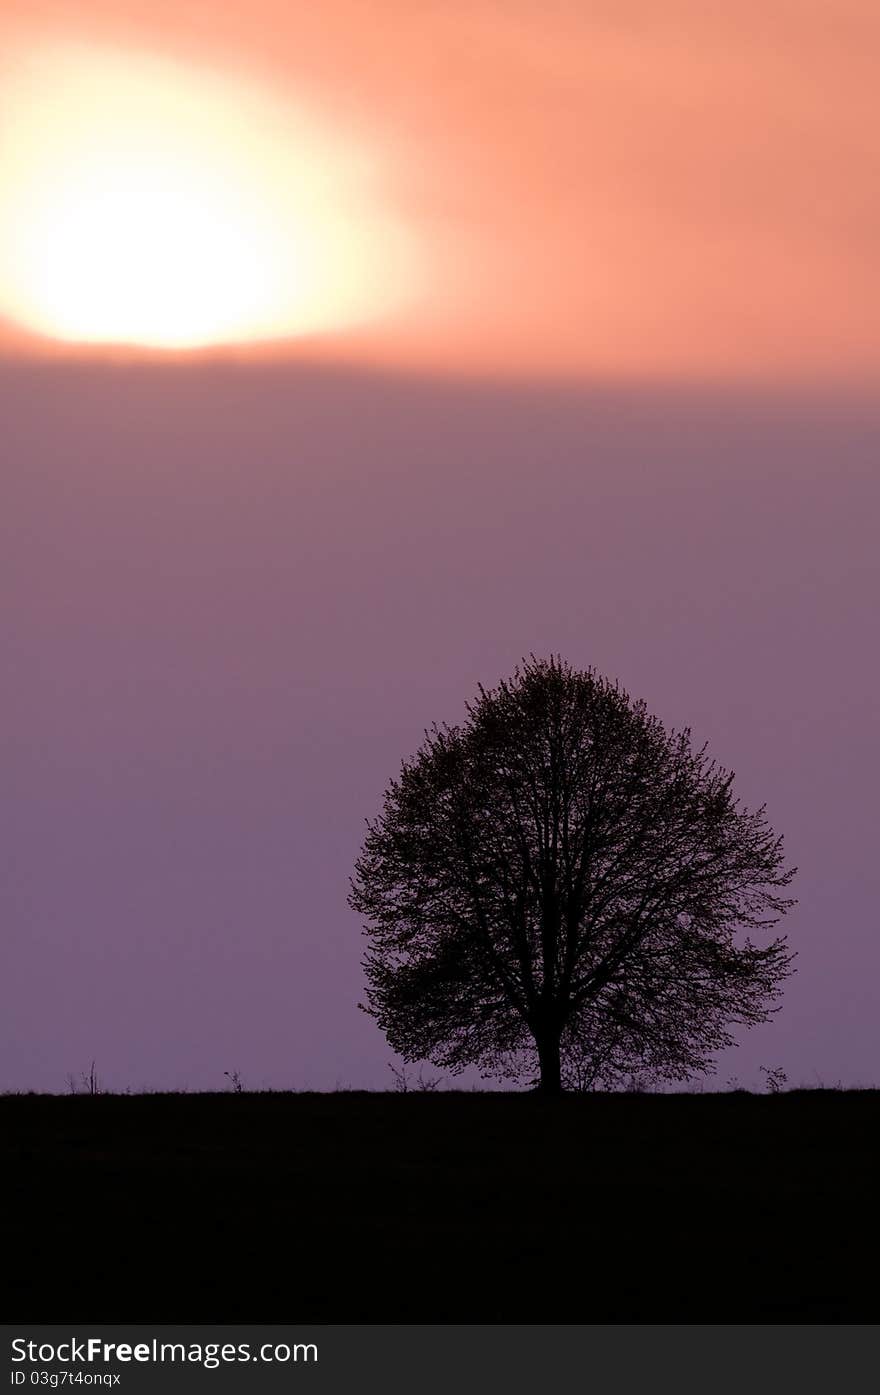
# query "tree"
(560, 882)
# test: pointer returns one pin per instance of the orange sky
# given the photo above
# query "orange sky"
(626, 188)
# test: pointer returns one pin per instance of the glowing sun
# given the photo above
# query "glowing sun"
(146, 203)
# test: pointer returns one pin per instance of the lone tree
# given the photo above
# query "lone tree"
(562, 882)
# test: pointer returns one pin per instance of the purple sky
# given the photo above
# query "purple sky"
(233, 596)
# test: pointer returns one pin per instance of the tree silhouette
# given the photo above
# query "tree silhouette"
(562, 883)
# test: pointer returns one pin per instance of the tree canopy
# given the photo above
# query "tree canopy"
(561, 886)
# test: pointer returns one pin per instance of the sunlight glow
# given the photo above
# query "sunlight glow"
(145, 203)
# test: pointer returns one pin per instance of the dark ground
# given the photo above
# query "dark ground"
(441, 1208)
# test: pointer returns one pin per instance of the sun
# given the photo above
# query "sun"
(147, 203)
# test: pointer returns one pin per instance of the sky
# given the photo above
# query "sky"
(604, 187)
(591, 371)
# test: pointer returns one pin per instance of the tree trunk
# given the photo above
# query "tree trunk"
(551, 1066)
